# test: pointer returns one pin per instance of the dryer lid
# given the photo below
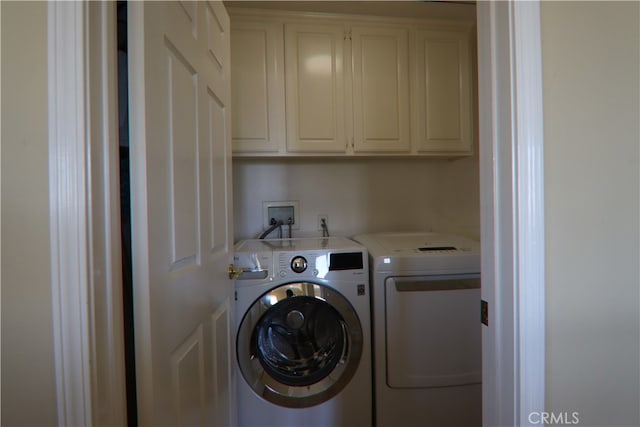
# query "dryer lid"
(422, 252)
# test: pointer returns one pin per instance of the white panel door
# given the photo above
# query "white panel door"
(181, 222)
(315, 91)
(381, 89)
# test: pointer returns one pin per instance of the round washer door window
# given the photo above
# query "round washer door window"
(299, 344)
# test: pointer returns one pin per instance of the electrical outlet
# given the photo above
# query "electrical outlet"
(281, 211)
(321, 217)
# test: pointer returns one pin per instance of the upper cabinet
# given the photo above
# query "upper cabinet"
(306, 85)
(443, 101)
(257, 87)
(336, 109)
(380, 58)
(315, 88)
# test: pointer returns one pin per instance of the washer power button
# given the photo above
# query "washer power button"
(298, 264)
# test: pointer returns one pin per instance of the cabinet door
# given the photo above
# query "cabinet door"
(442, 99)
(315, 100)
(257, 87)
(380, 89)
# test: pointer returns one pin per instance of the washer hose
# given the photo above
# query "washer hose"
(274, 224)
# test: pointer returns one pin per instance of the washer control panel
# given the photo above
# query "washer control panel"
(320, 264)
(330, 258)
(296, 264)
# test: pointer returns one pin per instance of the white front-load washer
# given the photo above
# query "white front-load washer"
(303, 344)
(426, 329)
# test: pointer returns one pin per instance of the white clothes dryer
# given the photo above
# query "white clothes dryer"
(426, 329)
(303, 344)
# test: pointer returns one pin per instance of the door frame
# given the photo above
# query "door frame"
(512, 210)
(85, 214)
(512, 215)
(68, 217)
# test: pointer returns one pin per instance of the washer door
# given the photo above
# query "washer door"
(299, 344)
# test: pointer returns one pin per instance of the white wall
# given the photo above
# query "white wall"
(28, 379)
(591, 111)
(361, 195)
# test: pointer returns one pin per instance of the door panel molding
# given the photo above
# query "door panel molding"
(222, 365)
(187, 360)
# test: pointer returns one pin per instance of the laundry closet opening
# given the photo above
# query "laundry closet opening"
(359, 194)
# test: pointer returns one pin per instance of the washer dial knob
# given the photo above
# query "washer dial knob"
(298, 264)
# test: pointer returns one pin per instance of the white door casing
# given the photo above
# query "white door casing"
(85, 216)
(179, 79)
(69, 205)
(512, 210)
